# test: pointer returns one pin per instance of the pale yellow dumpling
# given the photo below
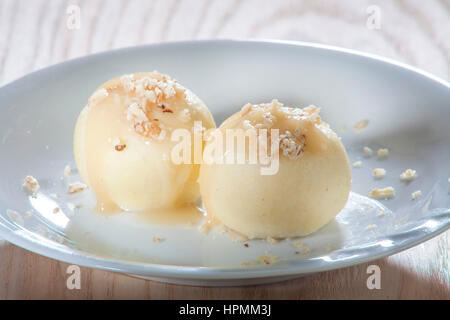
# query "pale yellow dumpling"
(122, 142)
(309, 189)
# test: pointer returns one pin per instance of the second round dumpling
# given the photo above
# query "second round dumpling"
(309, 188)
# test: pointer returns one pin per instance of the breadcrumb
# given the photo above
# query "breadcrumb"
(379, 173)
(367, 152)
(384, 193)
(76, 187)
(416, 194)
(408, 175)
(31, 184)
(267, 259)
(357, 164)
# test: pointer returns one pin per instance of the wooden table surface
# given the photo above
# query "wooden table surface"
(38, 33)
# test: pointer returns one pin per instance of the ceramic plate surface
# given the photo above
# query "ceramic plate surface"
(408, 112)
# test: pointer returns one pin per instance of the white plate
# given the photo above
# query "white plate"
(408, 112)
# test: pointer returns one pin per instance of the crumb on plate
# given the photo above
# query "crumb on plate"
(379, 173)
(357, 164)
(367, 152)
(408, 175)
(76, 187)
(416, 194)
(267, 259)
(31, 184)
(383, 193)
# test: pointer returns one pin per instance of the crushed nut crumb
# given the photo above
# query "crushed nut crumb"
(357, 164)
(371, 227)
(120, 147)
(292, 146)
(379, 173)
(31, 184)
(76, 187)
(382, 213)
(416, 194)
(367, 152)
(408, 175)
(267, 259)
(149, 92)
(383, 193)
